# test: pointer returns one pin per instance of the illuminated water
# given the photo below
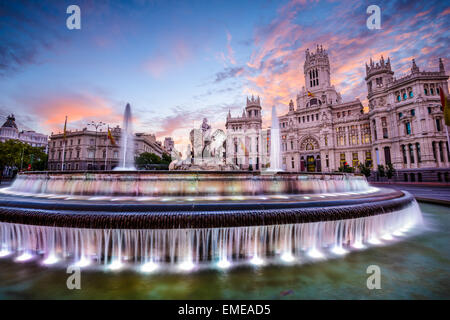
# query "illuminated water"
(189, 249)
(127, 142)
(275, 144)
(418, 267)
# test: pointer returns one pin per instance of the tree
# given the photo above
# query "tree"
(14, 153)
(390, 171)
(365, 168)
(166, 158)
(146, 158)
(346, 168)
(381, 170)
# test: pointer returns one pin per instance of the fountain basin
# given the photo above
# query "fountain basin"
(285, 217)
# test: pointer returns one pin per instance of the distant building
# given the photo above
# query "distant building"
(89, 150)
(9, 131)
(247, 144)
(169, 144)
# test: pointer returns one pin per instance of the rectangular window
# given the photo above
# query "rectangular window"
(342, 159)
(438, 124)
(411, 153)
(385, 133)
(405, 159)
(369, 157)
(355, 159)
(408, 128)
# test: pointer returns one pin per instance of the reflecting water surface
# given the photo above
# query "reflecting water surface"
(416, 268)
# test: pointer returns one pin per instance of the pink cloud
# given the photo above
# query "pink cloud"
(173, 58)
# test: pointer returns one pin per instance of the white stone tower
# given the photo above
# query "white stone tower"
(317, 70)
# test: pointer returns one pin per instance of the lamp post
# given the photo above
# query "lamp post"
(96, 125)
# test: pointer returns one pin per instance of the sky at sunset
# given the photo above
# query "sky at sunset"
(176, 62)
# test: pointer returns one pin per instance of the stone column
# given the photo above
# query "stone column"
(408, 157)
(414, 152)
(438, 155)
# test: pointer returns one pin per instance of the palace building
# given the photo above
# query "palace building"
(403, 125)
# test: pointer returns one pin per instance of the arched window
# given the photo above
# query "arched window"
(405, 96)
(431, 91)
(425, 91)
(399, 98)
(411, 95)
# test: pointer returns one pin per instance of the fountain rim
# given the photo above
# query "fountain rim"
(187, 172)
(200, 216)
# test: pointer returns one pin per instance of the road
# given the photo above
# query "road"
(422, 192)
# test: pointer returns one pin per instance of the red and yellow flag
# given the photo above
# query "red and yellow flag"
(310, 94)
(111, 138)
(446, 106)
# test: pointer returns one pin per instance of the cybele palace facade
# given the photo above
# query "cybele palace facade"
(404, 125)
(320, 133)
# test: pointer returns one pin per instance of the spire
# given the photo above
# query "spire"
(243, 113)
(441, 66)
(414, 68)
(291, 105)
(229, 114)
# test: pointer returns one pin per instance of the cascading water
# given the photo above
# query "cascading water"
(187, 249)
(127, 142)
(275, 147)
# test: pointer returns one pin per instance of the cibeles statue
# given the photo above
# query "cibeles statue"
(206, 130)
(207, 150)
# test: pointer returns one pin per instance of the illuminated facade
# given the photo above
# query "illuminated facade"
(404, 125)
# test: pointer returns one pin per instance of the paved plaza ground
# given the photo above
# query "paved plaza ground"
(423, 192)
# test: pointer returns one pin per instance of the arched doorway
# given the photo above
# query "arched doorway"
(310, 155)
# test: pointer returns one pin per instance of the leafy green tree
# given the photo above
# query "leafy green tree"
(381, 171)
(365, 168)
(166, 158)
(346, 168)
(21, 155)
(147, 158)
(390, 170)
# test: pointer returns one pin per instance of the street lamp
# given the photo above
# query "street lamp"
(96, 125)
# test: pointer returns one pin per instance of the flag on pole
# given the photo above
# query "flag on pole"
(310, 94)
(111, 138)
(446, 106)
(65, 129)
